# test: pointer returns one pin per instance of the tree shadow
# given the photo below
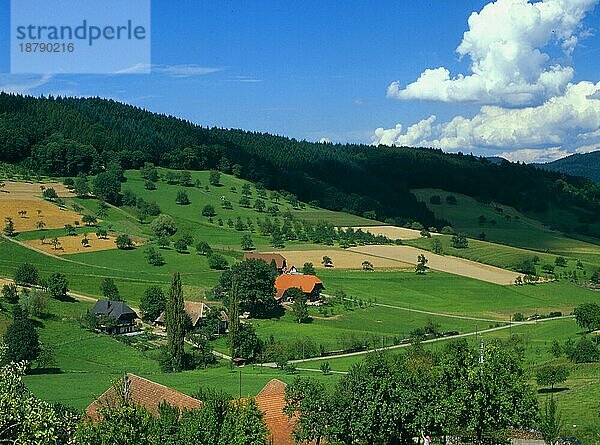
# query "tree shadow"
(42, 371)
(66, 299)
(551, 390)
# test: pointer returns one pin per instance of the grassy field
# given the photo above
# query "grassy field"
(508, 227)
(87, 363)
(508, 257)
(452, 294)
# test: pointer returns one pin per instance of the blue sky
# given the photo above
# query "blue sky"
(314, 69)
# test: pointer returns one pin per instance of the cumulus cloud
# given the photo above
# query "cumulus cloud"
(529, 155)
(556, 127)
(505, 43)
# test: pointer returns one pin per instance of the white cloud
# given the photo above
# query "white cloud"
(562, 121)
(588, 148)
(19, 84)
(529, 155)
(184, 70)
(505, 43)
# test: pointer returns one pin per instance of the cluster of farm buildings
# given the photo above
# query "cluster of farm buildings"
(125, 318)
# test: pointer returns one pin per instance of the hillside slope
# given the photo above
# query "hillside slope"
(67, 136)
(586, 165)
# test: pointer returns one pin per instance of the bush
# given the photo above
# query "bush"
(154, 257)
(182, 198)
(34, 302)
(435, 199)
(26, 274)
(203, 248)
(10, 293)
(460, 241)
(58, 286)
(518, 317)
(208, 211)
(163, 225)
(217, 262)
(584, 351)
(124, 242)
(560, 261)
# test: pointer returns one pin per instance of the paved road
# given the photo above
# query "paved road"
(405, 345)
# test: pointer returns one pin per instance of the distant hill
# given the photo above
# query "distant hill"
(71, 136)
(586, 165)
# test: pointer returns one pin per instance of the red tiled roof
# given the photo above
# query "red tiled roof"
(306, 283)
(279, 259)
(271, 401)
(145, 393)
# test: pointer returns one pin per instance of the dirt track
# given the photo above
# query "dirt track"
(342, 259)
(450, 264)
(393, 232)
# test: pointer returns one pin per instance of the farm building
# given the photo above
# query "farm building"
(122, 317)
(280, 261)
(309, 284)
(270, 400)
(198, 312)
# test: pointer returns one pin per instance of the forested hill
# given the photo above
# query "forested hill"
(586, 165)
(67, 136)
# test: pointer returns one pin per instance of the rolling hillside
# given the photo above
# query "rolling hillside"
(68, 136)
(586, 165)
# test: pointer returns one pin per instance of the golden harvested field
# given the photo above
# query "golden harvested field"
(450, 264)
(342, 259)
(72, 244)
(17, 196)
(393, 232)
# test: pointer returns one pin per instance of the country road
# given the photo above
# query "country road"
(405, 345)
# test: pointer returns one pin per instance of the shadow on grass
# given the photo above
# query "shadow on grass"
(551, 390)
(42, 371)
(66, 299)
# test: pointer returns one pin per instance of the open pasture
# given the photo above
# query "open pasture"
(454, 265)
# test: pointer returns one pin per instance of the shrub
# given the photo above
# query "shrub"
(26, 274)
(182, 198)
(217, 262)
(10, 293)
(208, 211)
(124, 242)
(203, 248)
(154, 257)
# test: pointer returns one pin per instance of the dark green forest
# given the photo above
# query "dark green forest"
(68, 136)
(586, 165)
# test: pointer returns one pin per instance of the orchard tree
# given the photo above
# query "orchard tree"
(247, 243)
(587, 316)
(124, 242)
(9, 228)
(421, 266)
(214, 177)
(460, 241)
(163, 225)
(153, 256)
(182, 198)
(58, 286)
(40, 225)
(153, 303)
(107, 186)
(327, 262)
(308, 269)
(203, 248)
(209, 211)
(10, 293)
(110, 290)
(21, 338)
(299, 305)
(551, 375)
(26, 274)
